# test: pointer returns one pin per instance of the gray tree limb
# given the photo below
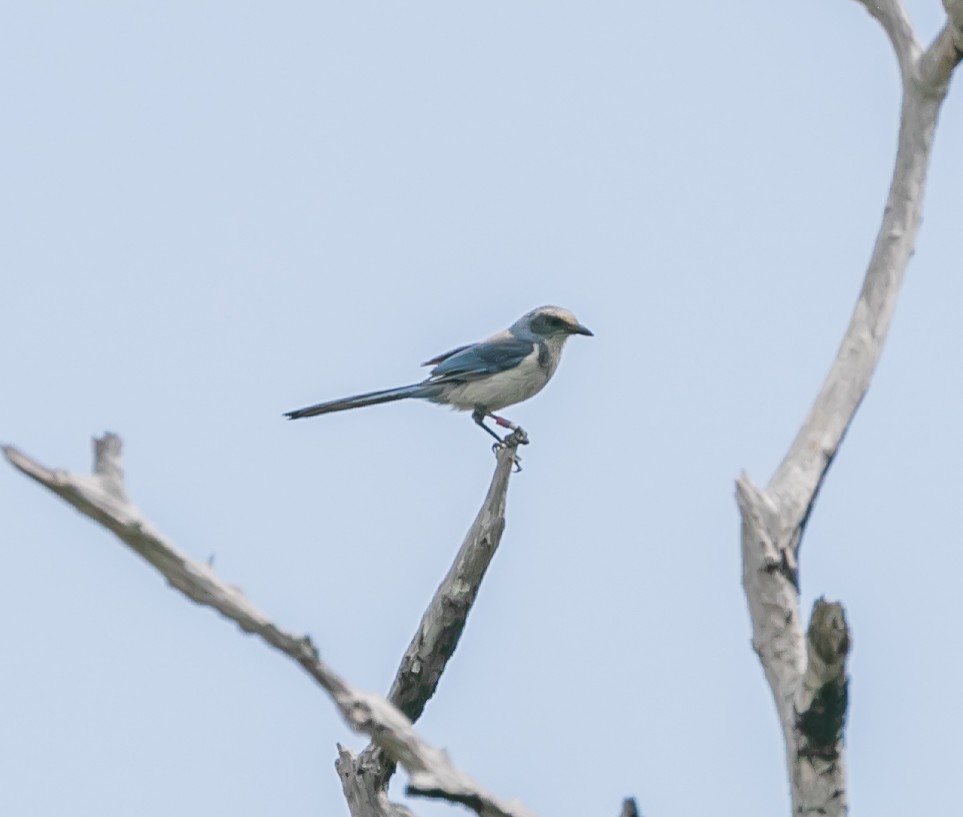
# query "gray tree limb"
(102, 497)
(824, 694)
(774, 519)
(436, 638)
(896, 23)
(936, 65)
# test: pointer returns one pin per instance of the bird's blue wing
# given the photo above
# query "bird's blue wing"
(481, 359)
(445, 355)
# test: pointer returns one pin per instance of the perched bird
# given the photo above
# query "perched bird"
(483, 377)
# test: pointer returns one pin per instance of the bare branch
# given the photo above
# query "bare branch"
(807, 675)
(895, 21)
(102, 498)
(444, 621)
(823, 693)
(441, 625)
(954, 15)
(799, 477)
(819, 772)
(937, 64)
(769, 582)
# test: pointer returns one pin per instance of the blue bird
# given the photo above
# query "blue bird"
(483, 377)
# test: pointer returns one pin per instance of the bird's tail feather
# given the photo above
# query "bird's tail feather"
(356, 401)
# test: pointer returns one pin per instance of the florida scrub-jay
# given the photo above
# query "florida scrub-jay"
(483, 377)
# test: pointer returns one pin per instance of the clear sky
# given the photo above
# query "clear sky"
(214, 212)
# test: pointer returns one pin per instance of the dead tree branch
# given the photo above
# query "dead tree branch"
(102, 497)
(434, 641)
(822, 713)
(810, 689)
(896, 23)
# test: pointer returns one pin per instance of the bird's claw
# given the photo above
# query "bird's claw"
(516, 438)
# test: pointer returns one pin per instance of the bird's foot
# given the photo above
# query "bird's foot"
(518, 435)
(516, 438)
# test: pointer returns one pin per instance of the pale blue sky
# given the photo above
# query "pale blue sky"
(213, 212)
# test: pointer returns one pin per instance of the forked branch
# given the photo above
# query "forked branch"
(102, 497)
(809, 689)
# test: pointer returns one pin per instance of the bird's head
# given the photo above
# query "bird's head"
(550, 322)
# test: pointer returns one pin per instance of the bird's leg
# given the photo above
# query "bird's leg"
(479, 417)
(518, 433)
(517, 436)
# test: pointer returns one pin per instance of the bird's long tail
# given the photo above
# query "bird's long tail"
(357, 401)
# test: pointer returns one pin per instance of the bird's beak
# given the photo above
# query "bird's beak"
(578, 329)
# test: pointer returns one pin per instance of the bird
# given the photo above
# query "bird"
(507, 368)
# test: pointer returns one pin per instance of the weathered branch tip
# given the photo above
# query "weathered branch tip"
(630, 808)
(825, 688)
